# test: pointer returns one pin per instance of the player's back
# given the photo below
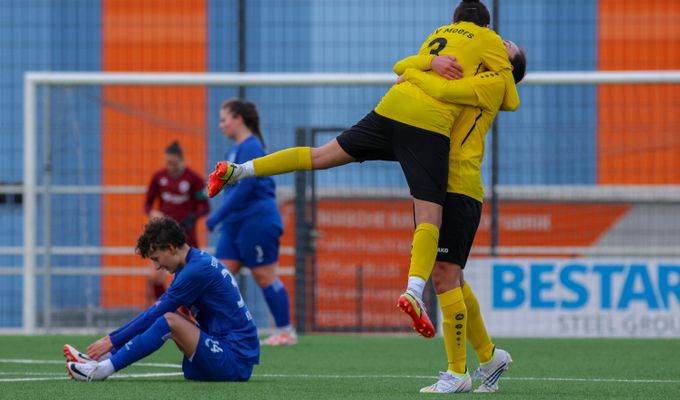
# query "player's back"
(207, 287)
(468, 137)
(475, 48)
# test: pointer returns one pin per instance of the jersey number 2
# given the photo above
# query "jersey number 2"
(440, 43)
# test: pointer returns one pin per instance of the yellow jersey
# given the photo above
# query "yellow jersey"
(483, 96)
(476, 49)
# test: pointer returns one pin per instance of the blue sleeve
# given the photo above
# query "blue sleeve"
(242, 190)
(143, 321)
(184, 290)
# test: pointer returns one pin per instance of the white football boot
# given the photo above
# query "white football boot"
(86, 372)
(491, 372)
(72, 354)
(450, 383)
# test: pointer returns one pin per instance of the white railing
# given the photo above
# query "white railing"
(32, 80)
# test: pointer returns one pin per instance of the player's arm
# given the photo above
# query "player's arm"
(484, 90)
(445, 66)
(420, 62)
(143, 321)
(495, 58)
(152, 193)
(200, 198)
(494, 54)
(238, 193)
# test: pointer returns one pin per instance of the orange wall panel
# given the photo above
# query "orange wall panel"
(139, 122)
(638, 124)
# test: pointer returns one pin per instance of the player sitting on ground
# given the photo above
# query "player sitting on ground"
(224, 346)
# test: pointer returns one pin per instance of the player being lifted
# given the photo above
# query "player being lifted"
(224, 346)
(484, 93)
(408, 126)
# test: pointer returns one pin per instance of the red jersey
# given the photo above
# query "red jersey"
(182, 198)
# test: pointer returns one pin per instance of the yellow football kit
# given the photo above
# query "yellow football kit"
(483, 96)
(475, 48)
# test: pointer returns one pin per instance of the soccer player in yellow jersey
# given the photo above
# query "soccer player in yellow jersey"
(485, 94)
(409, 126)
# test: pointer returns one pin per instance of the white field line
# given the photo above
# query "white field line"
(302, 376)
(22, 361)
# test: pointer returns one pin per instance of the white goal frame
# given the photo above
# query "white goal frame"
(32, 80)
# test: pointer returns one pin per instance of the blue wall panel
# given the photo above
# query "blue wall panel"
(43, 36)
(551, 139)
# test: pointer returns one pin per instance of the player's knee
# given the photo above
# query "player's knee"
(438, 277)
(445, 276)
(264, 276)
(171, 318)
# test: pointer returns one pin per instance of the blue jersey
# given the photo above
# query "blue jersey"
(207, 288)
(249, 196)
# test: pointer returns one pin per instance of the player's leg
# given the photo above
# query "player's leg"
(227, 249)
(278, 301)
(139, 347)
(459, 224)
(423, 156)
(361, 142)
(493, 361)
(258, 244)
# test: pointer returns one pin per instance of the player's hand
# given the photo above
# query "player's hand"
(99, 348)
(400, 79)
(447, 67)
(155, 214)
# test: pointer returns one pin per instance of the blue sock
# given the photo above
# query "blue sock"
(142, 345)
(277, 300)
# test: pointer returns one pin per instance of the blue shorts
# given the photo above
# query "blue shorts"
(215, 361)
(252, 241)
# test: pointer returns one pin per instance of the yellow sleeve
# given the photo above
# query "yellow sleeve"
(485, 90)
(511, 98)
(495, 55)
(419, 62)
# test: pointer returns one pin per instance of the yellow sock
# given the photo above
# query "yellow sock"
(287, 160)
(455, 319)
(424, 251)
(476, 330)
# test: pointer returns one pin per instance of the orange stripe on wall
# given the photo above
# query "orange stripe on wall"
(638, 124)
(139, 122)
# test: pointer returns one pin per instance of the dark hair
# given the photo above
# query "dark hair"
(519, 66)
(174, 148)
(160, 234)
(472, 11)
(248, 111)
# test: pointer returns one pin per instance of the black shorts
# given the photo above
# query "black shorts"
(422, 154)
(459, 225)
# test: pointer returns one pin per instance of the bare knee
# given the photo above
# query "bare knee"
(264, 276)
(445, 276)
(428, 212)
(172, 319)
(439, 278)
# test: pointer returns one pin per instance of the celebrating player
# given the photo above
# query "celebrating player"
(251, 223)
(462, 212)
(224, 346)
(409, 126)
(181, 195)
